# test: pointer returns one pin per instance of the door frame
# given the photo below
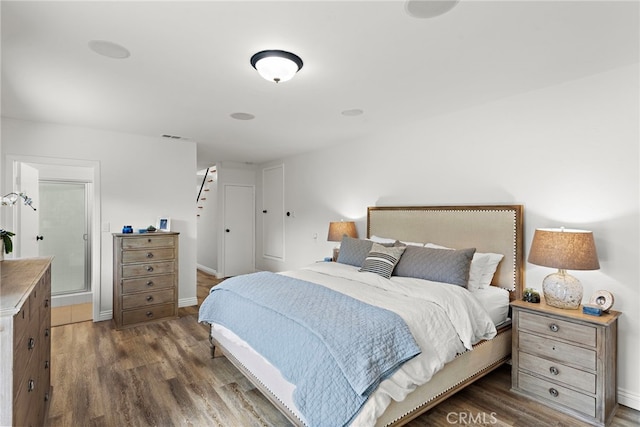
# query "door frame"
(94, 200)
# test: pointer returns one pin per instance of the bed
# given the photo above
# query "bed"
(426, 365)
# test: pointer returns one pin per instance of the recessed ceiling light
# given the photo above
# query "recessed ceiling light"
(109, 49)
(352, 113)
(429, 8)
(242, 116)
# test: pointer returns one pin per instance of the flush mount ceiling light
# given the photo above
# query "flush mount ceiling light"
(276, 65)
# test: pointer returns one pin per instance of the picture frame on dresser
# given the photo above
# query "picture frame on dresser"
(163, 224)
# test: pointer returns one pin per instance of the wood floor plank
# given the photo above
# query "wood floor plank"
(162, 375)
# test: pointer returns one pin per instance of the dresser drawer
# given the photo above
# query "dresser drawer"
(25, 349)
(558, 394)
(148, 313)
(555, 328)
(558, 372)
(148, 283)
(137, 270)
(558, 351)
(156, 241)
(152, 254)
(146, 299)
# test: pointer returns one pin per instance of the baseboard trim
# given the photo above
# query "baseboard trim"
(188, 302)
(207, 270)
(629, 399)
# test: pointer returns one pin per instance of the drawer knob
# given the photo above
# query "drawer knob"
(31, 344)
(46, 303)
(554, 370)
(46, 332)
(150, 283)
(149, 255)
(31, 385)
(554, 328)
(149, 268)
(553, 392)
(149, 298)
(149, 314)
(46, 364)
(148, 240)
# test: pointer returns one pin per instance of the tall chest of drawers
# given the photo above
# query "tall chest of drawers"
(145, 278)
(566, 360)
(25, 344)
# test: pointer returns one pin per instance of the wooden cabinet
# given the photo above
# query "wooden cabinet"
(25, 345)
(145, 278)
(566, 360)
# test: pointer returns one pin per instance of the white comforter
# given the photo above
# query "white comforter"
(444, 320)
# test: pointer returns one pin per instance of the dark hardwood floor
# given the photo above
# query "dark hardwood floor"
(162, 375)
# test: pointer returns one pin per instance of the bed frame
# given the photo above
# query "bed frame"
(495, 228)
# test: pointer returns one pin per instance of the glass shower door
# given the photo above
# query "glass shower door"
(64, 234)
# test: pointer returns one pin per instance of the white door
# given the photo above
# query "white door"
(239, 230)
(27, 218)
(273, 213)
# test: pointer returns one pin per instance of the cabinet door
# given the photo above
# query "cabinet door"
(239, 230)
(273, 213)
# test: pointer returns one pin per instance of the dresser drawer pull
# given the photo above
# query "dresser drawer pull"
(46, 397)
(553, 392)
(31, 385)
(149, 268)
(46, 364)
(46, 303)
(149, 255)
(46, 332)
(150, 283)
(554, 370)
(149, 314)
(31, 344)
(149, 298)
(554, 328)
(148, 240)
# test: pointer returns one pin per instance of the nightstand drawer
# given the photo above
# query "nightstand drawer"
(148, 313)
(148, 255)
(559, 351)
(558, 394)
(137, 270)
(555, 328)
(155, 241)
(148, 283)
(558, 372)
(146, 299)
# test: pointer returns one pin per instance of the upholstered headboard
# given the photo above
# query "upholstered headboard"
(497, 229)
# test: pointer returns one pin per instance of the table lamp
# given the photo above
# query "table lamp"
(564, 249)
(339, 229)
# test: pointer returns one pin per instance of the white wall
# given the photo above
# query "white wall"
(142, 178)
(569, 153)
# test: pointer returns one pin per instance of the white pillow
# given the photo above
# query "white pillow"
(384, 240)
(483, 267)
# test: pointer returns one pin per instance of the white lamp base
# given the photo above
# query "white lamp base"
(562, 290)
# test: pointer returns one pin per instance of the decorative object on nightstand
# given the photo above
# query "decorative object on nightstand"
(566, 359)
(602, 299)
(339, 229)
(564, 249)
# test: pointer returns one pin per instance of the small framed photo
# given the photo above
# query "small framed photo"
(163, 224)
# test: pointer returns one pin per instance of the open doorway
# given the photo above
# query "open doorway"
(65, 227)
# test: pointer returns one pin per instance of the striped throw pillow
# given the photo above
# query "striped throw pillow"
(382, 260)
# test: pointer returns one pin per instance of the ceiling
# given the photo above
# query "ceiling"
(189, 66)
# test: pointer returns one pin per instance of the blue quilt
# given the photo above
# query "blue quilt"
(333, 348)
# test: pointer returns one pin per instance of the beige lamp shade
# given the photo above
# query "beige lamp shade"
(342, 228)
(564, 249)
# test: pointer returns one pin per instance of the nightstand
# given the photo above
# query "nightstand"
(566, 359)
